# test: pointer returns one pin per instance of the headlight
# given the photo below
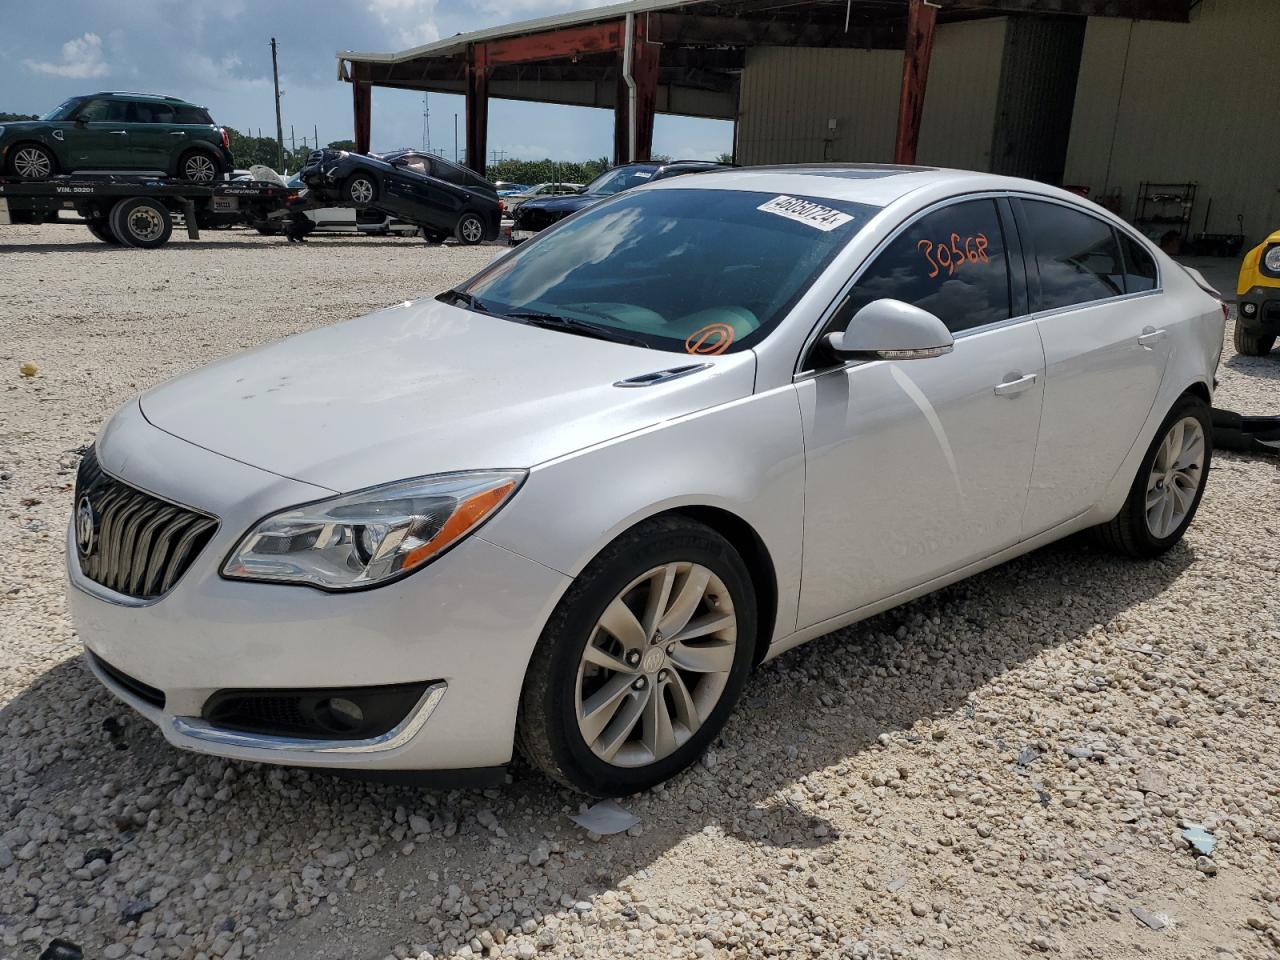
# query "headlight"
(371, 537)
(1272, 259)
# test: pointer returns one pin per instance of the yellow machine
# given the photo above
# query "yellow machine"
(1258, 299)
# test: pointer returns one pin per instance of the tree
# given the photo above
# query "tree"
(17, 116)
(725, 158)
(349, 145)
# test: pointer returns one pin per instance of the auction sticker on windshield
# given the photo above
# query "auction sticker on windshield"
(807, 212)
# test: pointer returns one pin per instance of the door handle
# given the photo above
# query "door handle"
(118, 133)
(1011, 388)
(177, 133)
(1151, 336)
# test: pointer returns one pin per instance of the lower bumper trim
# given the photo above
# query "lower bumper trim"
(195, 728)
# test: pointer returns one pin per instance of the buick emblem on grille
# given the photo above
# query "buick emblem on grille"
(86, 525)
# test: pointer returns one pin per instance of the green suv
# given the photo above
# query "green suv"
(117, 132)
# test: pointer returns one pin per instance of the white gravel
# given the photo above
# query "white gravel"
(1001, 770)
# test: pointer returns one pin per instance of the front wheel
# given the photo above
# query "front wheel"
(641, 663)
(30, 161)
(360, 188)
(470, 230)
(1252, 344)
(1166, 493)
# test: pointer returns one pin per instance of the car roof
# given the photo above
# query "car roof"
(870, 183)
(129, 95)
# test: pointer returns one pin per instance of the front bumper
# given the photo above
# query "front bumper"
(466, 624)
(1258, 310)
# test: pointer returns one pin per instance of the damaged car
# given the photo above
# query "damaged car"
(446, 199)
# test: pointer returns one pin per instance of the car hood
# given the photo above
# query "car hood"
(424, 387)
(22, 126)
(570, 203)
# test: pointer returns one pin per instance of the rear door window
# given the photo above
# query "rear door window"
(1076, 255)
(952, 262)
(1139, 266)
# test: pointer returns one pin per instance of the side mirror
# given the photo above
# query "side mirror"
(81, 122)
(892, 330)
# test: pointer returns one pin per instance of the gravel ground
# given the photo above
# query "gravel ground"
(1000, 770)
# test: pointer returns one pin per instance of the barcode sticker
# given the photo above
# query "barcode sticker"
(807, 212)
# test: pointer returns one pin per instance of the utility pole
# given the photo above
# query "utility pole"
(426, 123)
(293, 140)
(455, 138)
(316, 131)
(275, 75)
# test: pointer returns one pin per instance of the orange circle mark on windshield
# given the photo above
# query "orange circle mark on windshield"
(713, 339)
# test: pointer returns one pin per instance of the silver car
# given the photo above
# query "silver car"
(569, 505)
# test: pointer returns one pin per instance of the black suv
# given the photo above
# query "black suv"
(446, 199)
(533, 216)
(117, 132)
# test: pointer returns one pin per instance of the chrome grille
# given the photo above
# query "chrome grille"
(141, 545)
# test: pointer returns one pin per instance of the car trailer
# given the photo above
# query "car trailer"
(139, 211)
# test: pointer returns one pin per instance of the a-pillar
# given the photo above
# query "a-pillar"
(477, 107)
(922, 17)
(644, 73)
(362, 109)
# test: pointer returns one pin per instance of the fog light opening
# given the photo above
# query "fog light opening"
(340, 714)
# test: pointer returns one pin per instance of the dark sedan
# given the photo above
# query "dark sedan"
(533, 216)
(446, 199)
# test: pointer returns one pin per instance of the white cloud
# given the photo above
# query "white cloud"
(411, 22)
(81, 60)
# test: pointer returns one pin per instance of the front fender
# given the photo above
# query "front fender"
(744, 457)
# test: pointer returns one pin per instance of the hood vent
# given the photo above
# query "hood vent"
(662, 376)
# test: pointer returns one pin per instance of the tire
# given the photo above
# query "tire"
(469, 230)
(360, 188)
(196, 166)
(101, 228)
(559, 677)
(269, 231)
(1137, 531)
(32, 161)
(1252, 344)
(141, 222)
(435, 237)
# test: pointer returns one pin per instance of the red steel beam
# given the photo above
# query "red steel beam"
(362, 109)
(922, 17)
(477, 108)
(556, 44)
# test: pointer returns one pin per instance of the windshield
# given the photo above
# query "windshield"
(62, 110)
(695, 271)
(621, 178)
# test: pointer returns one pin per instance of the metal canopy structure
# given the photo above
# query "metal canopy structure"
(680, 57)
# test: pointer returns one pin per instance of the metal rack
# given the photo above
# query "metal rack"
(1164, 207)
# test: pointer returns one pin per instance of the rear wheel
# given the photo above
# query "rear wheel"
(1166, 493)
(31, 161)
(1252, 344)
(360, 188)
(199, 167)
(142, 222)
(641, 663)
(100, 227)
(470, 229)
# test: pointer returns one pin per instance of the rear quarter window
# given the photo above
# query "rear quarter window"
(192, 115)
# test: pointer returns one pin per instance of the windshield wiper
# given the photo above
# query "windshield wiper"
(457, 297)
(552, 321)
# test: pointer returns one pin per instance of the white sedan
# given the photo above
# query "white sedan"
(569, 505)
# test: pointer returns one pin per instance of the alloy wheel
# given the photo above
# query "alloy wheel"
(361, 190)
(31, 163)
(656, 664)
(472, 230)
(1175, 477)
(199, 169)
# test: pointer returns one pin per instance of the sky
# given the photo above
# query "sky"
(218, 55)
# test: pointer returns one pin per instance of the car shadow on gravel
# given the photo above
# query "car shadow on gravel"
(1263, 368)
(804, 731)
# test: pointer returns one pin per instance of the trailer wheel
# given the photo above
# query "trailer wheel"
(470, 229)
(142, 222)
(100, 227)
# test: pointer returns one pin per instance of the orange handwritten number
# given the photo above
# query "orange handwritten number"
(926, 247)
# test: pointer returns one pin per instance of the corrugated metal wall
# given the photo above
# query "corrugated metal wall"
(790, 95)
(1182, 102)
(960, 101)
